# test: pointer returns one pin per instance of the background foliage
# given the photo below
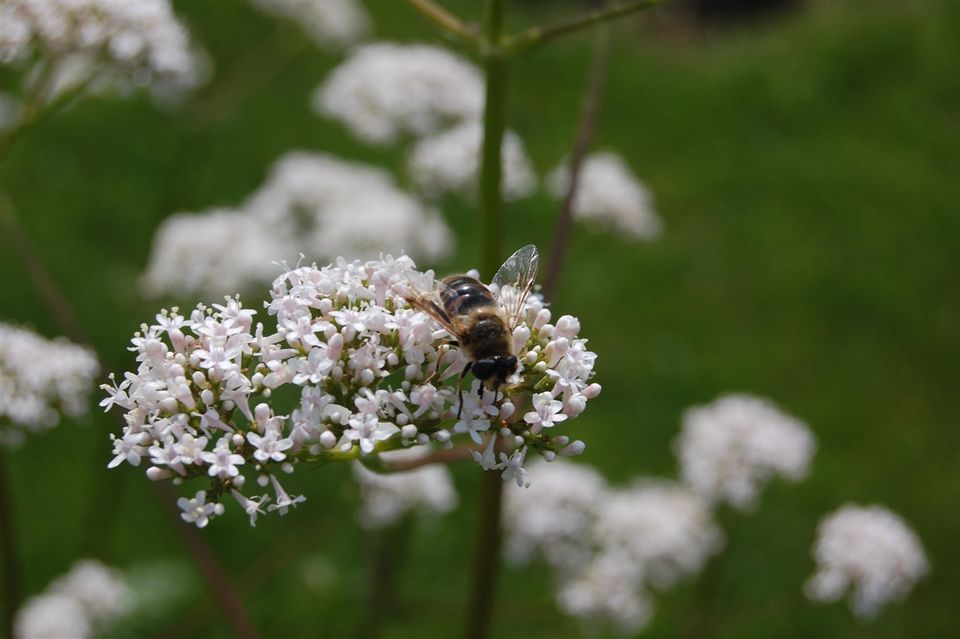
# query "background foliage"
(807, 172)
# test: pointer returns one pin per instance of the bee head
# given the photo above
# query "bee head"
(493, 371)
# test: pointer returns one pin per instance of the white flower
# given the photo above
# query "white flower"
(331, 23)
(310, 204)
(223, 461)
(384, 90)
(605, 590)
(513, 467)
(867, 550)
(729, 449)
(341, 367)
(545, 413)
(78, 605)
(664, 528)
(269, 446)
(252, 507)
(450, 162)
(554, 516)
(609, 195)
(388, 497)
(102, 43)
(197, 510)
(39, 380)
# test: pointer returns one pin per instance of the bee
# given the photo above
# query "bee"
(481, 320)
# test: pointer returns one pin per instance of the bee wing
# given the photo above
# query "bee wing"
(514, 281)
(429, 303)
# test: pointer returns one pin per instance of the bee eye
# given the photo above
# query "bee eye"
(512, 363)
(482, 369)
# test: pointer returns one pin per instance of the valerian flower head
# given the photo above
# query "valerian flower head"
(368, 374)
(609, 547)
(609, 195)
(384, 90)
(869, 551)
(311, 203)
(39, 380)
(100, 44)
(729, 449)
(331, 24)
(80, 604)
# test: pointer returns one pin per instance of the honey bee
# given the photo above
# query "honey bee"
(481, 321)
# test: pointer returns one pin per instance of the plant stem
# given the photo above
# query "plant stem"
(588, 125)
(447, 21)
(536, 36)
(8, 551)
(391, 552)
(487, 553)
(63, 313)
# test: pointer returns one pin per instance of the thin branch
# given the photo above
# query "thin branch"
(585, 133)
(10, 568)
(535, 36)
(62, 311)
(486, 567)
(457, 453)
(448, 21)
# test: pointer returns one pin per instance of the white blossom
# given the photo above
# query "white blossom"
(100, 43)
(388, 497)
(331, 23)
(39, 380)
(870, 552)
(310, 204)
(365, 374)
(609, 195)
(77, 605)
(609, 547)
(384, 90)
(450, 162)
(729, 449)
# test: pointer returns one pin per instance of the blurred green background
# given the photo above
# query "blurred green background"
(807, 168)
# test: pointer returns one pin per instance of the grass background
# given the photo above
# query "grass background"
(808, 172)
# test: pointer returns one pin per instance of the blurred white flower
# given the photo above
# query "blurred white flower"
(331, 23)
(609, 195)
(609, 547)
(384, 90)
(39, 379)
(663, 527)
(729, 449)
(554, 517)
(101, 42)
(311, 204)
(870, 551)
(606, 590)
(75, 606)
(363, 362)
(388, 497)
(221, 251)
(450, 162)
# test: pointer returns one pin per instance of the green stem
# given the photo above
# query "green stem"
(447, 21)
(535, 36)
(487, 554)
(9, 556)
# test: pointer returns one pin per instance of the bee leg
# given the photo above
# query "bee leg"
(466, 369)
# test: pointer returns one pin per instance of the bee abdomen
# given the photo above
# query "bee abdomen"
(463, 293)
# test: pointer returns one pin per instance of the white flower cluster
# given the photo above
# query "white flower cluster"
(450, 162)
(100, 41)
(331, 23)
(78, 605)
(609, 547)
(388, 497)
(384, 90)
(39, 379)
(370, 373)
(609, 195)
(312, 204)
(729, 449)
(870, 550)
